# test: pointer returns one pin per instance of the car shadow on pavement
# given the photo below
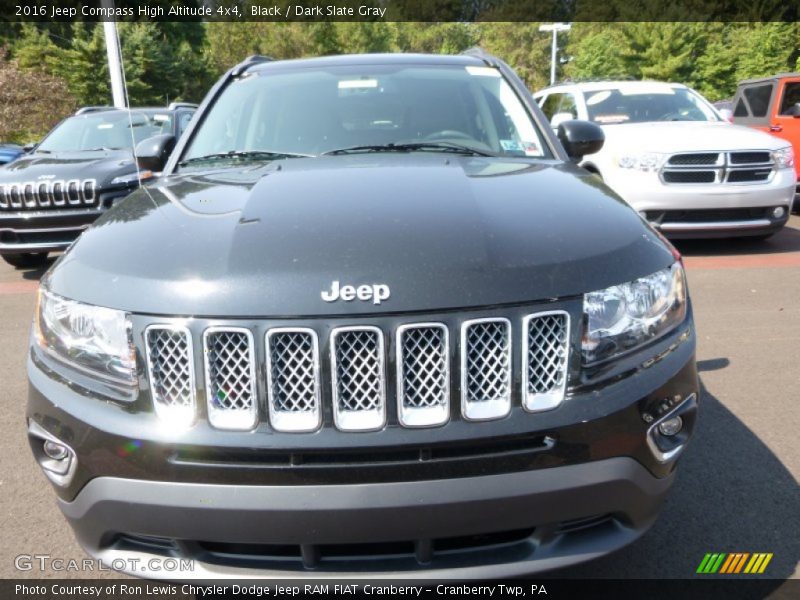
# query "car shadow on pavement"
(732, 494)
(36, 274)
(785, 241)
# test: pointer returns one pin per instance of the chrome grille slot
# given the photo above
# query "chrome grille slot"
(42, 195)
(230, 378)
(29, 195)
(359, 388)
(73, 191)
(545, 354)
(59, 197)
(423, 378)
(3, 196)
(293, 379)
(14, 195)
(485, 369)
(170, 369)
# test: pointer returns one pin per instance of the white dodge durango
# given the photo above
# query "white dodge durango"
(671, 156)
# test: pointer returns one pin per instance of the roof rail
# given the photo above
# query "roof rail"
(482, 54)
(90, 109)
(249, 62)
(176, 105)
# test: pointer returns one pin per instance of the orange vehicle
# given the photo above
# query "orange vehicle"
(772, 104)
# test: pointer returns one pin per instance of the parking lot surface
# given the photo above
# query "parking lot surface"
(737, 490)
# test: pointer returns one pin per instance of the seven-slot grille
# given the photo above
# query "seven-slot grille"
(170, 368)
(425, 368)
(230, 378)
(36, 195)
(746, 166)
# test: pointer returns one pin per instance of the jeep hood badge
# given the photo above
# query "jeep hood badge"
(377, 292)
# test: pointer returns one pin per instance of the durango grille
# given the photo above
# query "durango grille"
(36, 195)
(424, 373)
(748, 166)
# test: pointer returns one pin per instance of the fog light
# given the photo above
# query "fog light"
(671, 426)
(778, 212)
(55, 450)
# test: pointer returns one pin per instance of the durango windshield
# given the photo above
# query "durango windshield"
(105, 130)
(366, 108)
(641, 104)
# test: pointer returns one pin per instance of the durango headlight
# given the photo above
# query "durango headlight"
(646, 161)
(92, 338)
(783, 158)
(622, 317)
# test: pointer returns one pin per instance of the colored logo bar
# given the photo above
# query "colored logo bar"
(734, 562)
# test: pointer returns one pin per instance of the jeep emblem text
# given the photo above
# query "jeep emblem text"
(377, 292)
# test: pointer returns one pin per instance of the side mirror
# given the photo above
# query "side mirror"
(560, 118)
(152, 153)
(29, 147)
(727, 114)
(580, 138)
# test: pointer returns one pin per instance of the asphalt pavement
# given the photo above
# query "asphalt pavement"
(737, 490)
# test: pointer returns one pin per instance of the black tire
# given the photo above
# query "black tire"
(27, 260)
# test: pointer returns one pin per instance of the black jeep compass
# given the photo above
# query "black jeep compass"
(83, 166)
(372, 320)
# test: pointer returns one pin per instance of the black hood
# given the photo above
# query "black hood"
(441, 232)
(102, 166)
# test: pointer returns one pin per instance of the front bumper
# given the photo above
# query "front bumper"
(708, 210)
(41, 231)
(510, 524)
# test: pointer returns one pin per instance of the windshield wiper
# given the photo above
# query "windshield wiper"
(243, 155)
(414, 146)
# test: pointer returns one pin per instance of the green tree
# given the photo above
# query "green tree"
(595, 50)
(767, 48)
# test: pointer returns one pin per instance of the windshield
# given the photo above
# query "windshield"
(312, 111)
(105, 130)
(640, 104)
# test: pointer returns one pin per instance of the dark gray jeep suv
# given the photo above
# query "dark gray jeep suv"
(373, 319)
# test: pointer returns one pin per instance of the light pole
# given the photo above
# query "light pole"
(555, 28)
(114, 58)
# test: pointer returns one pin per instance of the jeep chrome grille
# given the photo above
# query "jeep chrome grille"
(359, 389)
(423, 377)
(545, 351)
(293, 380)
(230, 378)
(485, 368)
(171, 371)
(425, 372)
(36, 195)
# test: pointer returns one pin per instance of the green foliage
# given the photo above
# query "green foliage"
(167, 61)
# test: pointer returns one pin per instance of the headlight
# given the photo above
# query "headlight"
(130, 178)
(625, 316)
(647, 161)
(89, 337)
(783, 158)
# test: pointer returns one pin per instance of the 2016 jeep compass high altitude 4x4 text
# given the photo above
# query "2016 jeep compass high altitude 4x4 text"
(372, 320)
